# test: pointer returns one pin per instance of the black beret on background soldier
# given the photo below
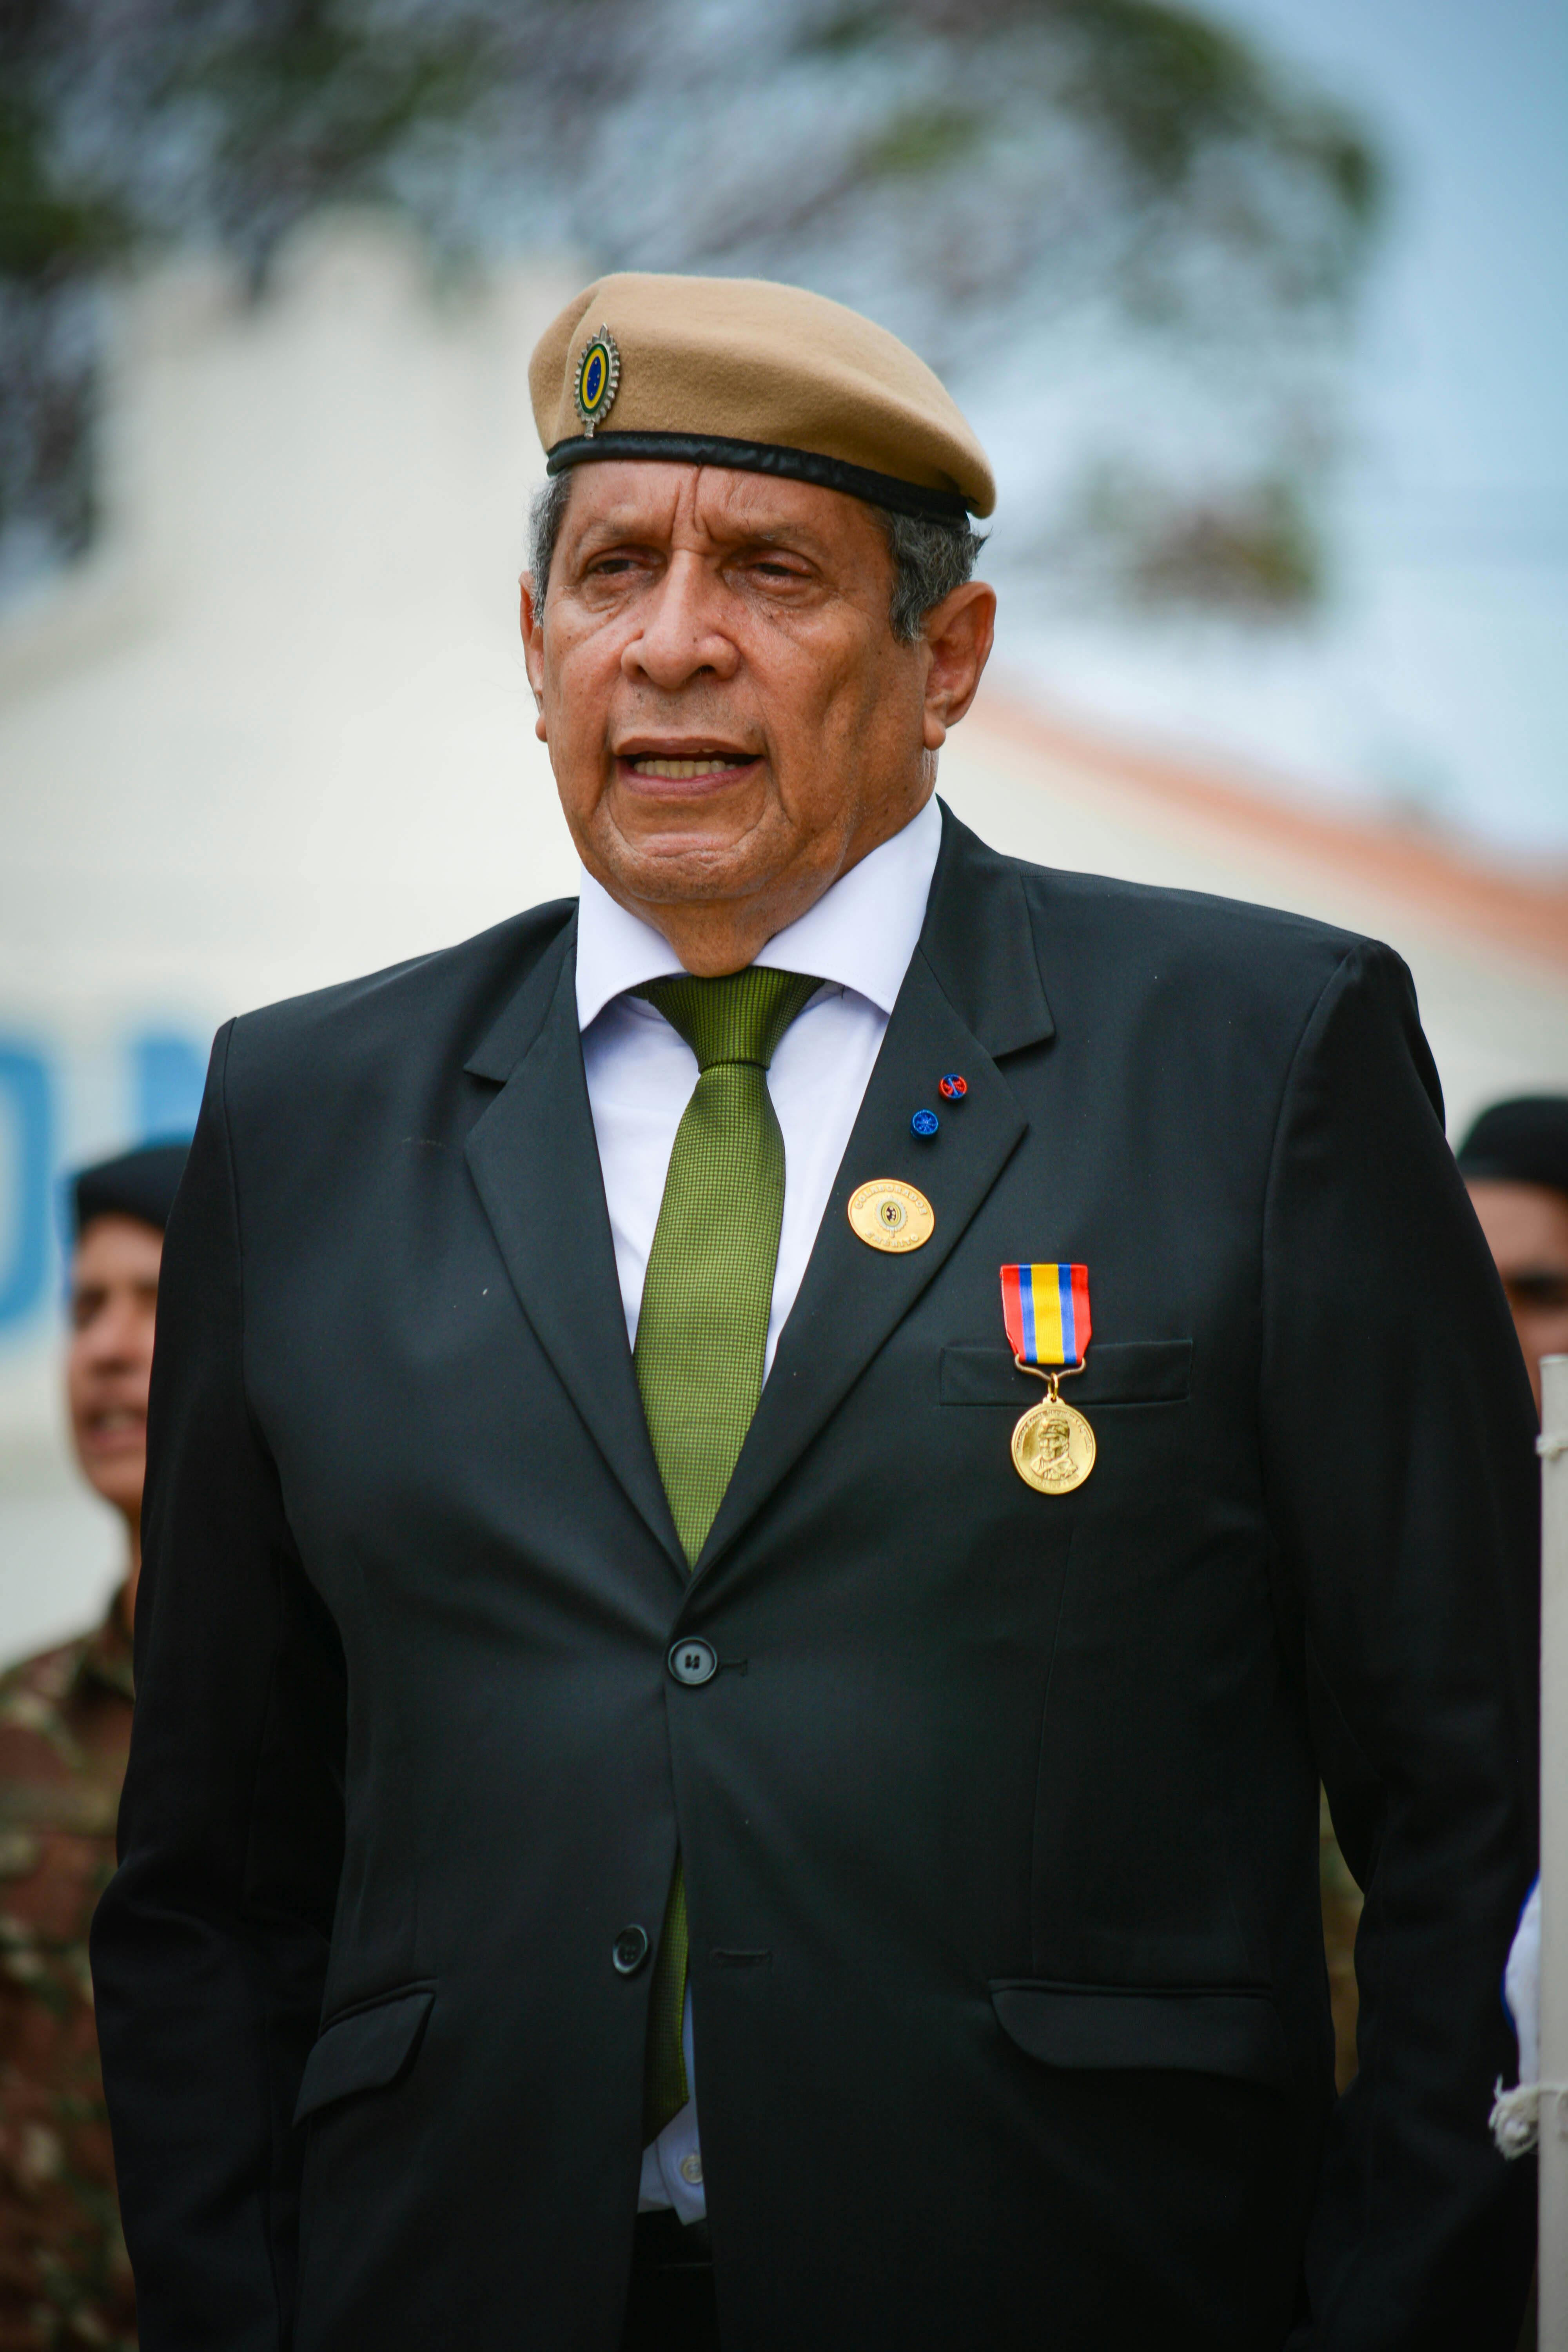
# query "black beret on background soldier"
(65, 1730)
(772, 1487)
(1514, 1161)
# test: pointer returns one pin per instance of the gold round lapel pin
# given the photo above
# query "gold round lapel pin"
(1053, 1445)
(889, 1215)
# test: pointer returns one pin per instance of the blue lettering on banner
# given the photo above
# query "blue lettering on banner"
(169, 1075)
(27, 1108)
(164, 1070)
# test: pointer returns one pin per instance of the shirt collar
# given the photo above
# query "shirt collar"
(860, 934)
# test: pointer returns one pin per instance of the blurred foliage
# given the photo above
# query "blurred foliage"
(306, 108)
(55, 236)
(1250, 547)
(47, 233)
(926, 139)
(983, 174)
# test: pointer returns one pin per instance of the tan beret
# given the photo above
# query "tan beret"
(771, 379)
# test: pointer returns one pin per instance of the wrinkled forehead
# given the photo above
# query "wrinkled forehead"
(655, 503)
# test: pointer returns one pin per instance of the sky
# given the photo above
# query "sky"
(1436, 681)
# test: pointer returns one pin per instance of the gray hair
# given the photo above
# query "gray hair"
(930, 558)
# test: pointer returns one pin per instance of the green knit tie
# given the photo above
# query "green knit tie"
(703, 1326)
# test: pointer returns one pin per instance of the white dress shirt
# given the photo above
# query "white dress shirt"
(857, 940)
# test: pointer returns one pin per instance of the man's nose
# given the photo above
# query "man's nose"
(117, 1339)
(682, 634)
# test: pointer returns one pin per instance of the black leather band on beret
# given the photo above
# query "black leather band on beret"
(763, 458)
(1521, 1141)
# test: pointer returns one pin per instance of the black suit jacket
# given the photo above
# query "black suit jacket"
(1000, 1818)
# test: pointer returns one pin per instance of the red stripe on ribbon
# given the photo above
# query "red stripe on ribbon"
(1080, 1310)
(1013, 1306)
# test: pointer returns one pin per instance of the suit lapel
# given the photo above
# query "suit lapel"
(977, 948)
(535, 1163)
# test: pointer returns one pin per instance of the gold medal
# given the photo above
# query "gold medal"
(1045, 1310)
(1053, 1446)
(889, 1215)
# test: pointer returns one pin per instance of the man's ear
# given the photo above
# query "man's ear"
(531, 620)
(958, 634)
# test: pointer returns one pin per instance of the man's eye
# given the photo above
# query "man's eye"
(1545, 1289)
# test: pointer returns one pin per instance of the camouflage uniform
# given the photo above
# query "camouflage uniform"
(1342, 1899)
(65, 1728)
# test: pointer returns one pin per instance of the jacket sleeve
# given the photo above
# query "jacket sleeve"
(1397, 1430)
(209, 1947)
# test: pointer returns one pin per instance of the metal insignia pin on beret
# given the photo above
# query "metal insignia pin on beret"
(598, 380)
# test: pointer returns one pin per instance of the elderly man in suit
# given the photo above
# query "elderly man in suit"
(770, 1491)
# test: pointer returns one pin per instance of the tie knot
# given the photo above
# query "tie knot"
(739, 1018)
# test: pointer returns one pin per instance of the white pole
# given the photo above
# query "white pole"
(1553, 2110)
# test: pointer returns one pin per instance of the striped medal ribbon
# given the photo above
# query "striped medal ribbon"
(1045, 1310)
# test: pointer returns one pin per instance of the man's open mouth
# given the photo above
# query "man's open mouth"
(700, 764)
(115, 1426)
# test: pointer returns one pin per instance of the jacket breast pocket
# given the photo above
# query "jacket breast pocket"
(367, 2050)
(1123, 1371)
(1236, 2034)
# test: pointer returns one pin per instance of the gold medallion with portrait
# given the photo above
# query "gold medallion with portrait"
(1053, 1447)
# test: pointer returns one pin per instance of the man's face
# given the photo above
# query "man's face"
(1526, 1227)
(730, 716)
(114, 1299)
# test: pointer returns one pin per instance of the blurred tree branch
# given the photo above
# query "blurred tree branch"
(980, 173)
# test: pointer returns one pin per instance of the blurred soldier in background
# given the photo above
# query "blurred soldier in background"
(1515, 1162)
(65, 1728)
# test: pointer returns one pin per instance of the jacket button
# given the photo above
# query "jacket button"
(693, 1662)
(630, 1950)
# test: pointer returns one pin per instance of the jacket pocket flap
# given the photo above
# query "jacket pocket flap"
(365, 2050)
(1236, 2034)
(1128, 1371)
